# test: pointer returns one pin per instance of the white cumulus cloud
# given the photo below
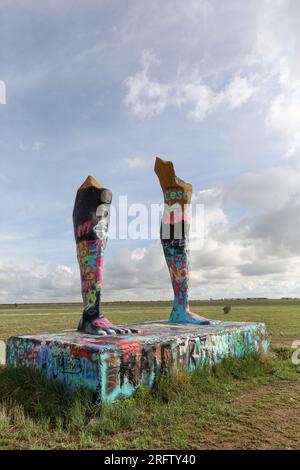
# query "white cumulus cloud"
(147, 97)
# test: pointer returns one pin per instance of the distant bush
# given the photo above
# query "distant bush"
(226, 309)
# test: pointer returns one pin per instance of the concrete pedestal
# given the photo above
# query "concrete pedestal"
(114, 366)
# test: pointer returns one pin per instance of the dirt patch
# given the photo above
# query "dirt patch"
(266, 418)
(288, 341)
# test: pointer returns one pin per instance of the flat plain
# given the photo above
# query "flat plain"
(241, 404)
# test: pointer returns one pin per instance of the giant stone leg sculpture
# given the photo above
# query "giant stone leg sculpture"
(91, 220)
(113, 365)
(175, 238)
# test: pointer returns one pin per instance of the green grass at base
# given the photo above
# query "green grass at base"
(184, 411)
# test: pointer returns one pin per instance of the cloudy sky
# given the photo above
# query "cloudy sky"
(101, 87)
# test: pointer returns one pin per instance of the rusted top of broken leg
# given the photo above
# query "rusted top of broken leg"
(89, 196)
(90, 181)
(174, 188)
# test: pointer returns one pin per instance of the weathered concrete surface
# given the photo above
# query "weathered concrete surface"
(114, 366)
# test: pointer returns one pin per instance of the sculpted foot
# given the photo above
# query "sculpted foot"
(186, 316)
(102, 327)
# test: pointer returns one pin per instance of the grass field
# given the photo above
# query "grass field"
(247, 404)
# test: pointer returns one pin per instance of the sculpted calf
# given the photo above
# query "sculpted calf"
(175, 240)
(91, 216)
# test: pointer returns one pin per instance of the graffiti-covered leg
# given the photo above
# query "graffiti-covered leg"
(174, 238)
(91, 220)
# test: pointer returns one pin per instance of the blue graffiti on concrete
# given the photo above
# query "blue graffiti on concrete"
(114, 367)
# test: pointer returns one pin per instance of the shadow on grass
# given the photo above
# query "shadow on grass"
(49, 401)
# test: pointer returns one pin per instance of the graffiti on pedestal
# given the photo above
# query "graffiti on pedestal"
(116, 366)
